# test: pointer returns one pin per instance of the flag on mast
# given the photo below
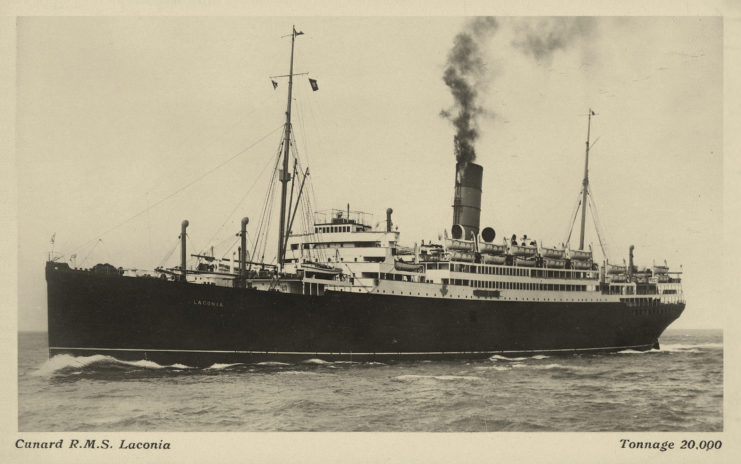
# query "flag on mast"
(314, 85)
(275, 84)
(52, 238)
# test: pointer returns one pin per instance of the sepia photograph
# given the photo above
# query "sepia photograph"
(436, 224)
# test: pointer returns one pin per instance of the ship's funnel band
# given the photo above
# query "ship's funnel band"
(467, 200)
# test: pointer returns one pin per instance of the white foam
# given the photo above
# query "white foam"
(180, 366)
(141, 363)
(316, 361)
(631, 352)
(497, 357)
(63, 361)
(272, 363)
(691, 348)
(683, 350)
(539, 366)
(218, 366)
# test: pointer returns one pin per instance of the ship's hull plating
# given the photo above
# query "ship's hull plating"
(169, 322)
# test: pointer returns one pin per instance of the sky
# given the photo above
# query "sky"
(163, 119)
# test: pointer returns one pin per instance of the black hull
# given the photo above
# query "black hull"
(198, 325)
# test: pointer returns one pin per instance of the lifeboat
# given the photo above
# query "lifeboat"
(458, 245)
(526, 262)
(580, 265)
(408, 267)
(492, 249)
(491, 259)
(552, 253)
(313, 266)
(461, 256)
(615, 269)
(580, 255)
(519, 250)
(554, 263)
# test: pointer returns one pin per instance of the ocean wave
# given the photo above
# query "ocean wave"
(272, 363)
(412, 377)
(692, 348)
(66, 363)
(498, 357)
(678, 348)
(296, 373)
(540, 366)
(492, 367)
(317, 361)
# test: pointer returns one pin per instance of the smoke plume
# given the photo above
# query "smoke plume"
(542, 39)
(465, 75)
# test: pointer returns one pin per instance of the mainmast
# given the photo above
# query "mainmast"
(285, 176)
(585, 183)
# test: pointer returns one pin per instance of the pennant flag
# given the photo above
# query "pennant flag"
(593, 114)
(53, 236)
(314, 85)
(275, 85)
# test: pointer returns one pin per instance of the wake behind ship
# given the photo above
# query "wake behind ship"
(344, 289)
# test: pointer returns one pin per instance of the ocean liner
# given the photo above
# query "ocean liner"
(347, 290)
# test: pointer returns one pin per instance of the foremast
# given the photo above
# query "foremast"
(285, 176)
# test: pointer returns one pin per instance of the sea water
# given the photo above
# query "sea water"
(676, 388)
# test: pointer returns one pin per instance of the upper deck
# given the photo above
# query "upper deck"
(362, 251)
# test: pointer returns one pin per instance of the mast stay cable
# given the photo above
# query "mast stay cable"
(189, 184)
(573, 219)
(597, 224)
(239, 203)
